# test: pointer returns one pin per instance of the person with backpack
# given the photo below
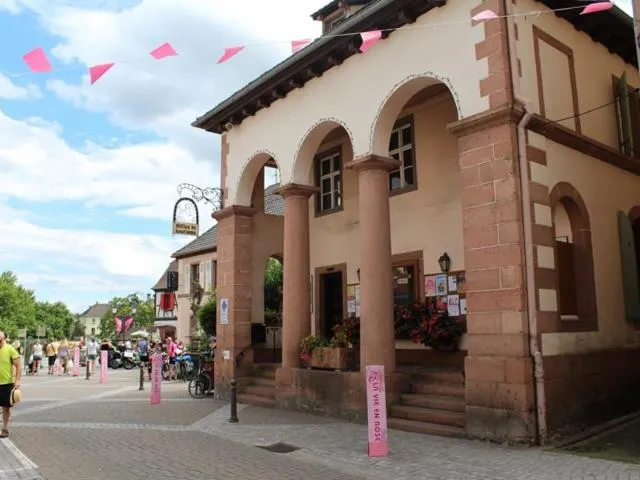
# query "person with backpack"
(10, 373)
(143, 352)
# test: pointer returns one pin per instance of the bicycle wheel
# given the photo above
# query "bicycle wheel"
(199, 386)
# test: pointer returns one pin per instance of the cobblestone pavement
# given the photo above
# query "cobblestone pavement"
(74, 429)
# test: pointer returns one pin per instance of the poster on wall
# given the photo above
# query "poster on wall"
(441, 284)
(453, 283)
(430, 286)
(358, 300)
(453, 305)
(462, 283)
(353, 300)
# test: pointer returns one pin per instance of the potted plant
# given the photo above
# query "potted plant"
(436, 329)
(307, 346)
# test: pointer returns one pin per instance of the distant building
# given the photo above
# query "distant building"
(90, 318)
(166, 305)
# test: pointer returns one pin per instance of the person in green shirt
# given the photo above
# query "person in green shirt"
(9, 360)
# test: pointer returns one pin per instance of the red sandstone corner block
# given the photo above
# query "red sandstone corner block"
(489, 136)
(496, 301)
(484, 323)
(488, 279)
(513, 397)
(498, 345)
(519, 370)
(478, 195)
(509, 232)
(485, 369)
(479, 258)
(480, 236)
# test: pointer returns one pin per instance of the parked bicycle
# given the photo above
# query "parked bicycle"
(201, 384)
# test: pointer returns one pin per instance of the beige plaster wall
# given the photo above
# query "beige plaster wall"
(184, 300)
(594, 67)
(605, 190)
(428, 219)
(268, 241)
(352, 94)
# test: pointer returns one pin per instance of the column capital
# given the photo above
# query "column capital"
(296, 190)
(231, 210)
(487, 119)
(373, 162)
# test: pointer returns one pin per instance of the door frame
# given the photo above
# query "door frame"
(319, 271)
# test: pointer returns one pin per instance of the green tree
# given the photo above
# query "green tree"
(17, 305)
(207, 315)
(56, 318)
(143, 318)
(273, 291)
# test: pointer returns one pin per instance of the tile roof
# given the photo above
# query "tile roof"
(161, 284)
(273, 205)
(96, 311)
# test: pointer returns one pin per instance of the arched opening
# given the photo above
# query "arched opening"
(425, 208)
(273, 290)
(634, 217)
(574, 259)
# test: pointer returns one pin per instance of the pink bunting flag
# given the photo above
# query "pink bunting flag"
(597, 7)
(37, 61)
(118, 324)
(228, 53)
(369, 39)
(97, 71)
(127, 324)
(297, 45)
(163, 51)
(484, 15)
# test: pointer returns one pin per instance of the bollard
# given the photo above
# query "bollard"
(234, 402)
(88, 373)
(141, 389)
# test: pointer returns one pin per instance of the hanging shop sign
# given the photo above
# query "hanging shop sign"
(185, 217)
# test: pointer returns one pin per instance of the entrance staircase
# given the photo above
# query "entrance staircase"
(433, 405)
(260, 389)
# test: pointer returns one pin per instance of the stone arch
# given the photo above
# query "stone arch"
(308, 148)
(249, 174)
(396, 100)
(583, 275)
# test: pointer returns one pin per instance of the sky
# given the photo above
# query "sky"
(88, 174)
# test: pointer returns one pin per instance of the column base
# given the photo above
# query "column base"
(501, 425)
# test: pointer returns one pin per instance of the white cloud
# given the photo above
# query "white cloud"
(10, 91)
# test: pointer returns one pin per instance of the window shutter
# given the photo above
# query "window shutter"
(207, 275)
(201, 277)
(624, 115)
(629, 269)
(214, 275)
(187, 278)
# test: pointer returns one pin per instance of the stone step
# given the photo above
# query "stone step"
(436, 402)
(256, 401)
(429, 415)
(453, 377)
(426, 428)
(263, 381)
(440, 389)
(265, 371)
(259, 391)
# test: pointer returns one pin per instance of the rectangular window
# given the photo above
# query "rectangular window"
(405, 284)
(186, 279)
(627, 101)
(195, 273)
(329, 181)
(401, 147)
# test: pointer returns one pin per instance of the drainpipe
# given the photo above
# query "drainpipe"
(534, 345)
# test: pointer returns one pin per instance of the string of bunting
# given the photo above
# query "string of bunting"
(38, 62)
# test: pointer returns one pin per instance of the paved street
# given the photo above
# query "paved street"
(70, 428)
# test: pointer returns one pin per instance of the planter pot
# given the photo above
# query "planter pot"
(448, 346)
(329, 358)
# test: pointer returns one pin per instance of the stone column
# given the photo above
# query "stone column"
(498, 367)
(377, 337)
(296, 298)
(234, 278)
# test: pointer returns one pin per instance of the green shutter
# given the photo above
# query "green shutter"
(624, 114)
(629, 269)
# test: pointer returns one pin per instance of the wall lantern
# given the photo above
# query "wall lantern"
(358, 272)
(445, 262)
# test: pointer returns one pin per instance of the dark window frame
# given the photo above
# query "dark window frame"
(401, 123)
(317, 164)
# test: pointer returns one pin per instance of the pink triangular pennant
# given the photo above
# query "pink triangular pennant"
(98, 71)
(369, 39)
(484, 15)
(597, 7)
(297, 45)
(228, 53)
(163, 51)
(37, 61)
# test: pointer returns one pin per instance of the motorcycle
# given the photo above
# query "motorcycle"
(129, 359)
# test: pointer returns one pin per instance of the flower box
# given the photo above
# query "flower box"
(329, 358)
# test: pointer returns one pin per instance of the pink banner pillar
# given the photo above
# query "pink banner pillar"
(104, 360)
(377, 412)
(156, 379)
(76, 362)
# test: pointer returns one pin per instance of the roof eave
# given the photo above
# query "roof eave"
(179, 256)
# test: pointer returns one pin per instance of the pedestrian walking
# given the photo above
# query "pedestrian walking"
(92, 353)
(52, 353)
(36, 351)
(9, 381)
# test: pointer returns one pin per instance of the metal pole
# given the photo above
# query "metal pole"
(88, 373)
(141, 377)
(234, 402)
